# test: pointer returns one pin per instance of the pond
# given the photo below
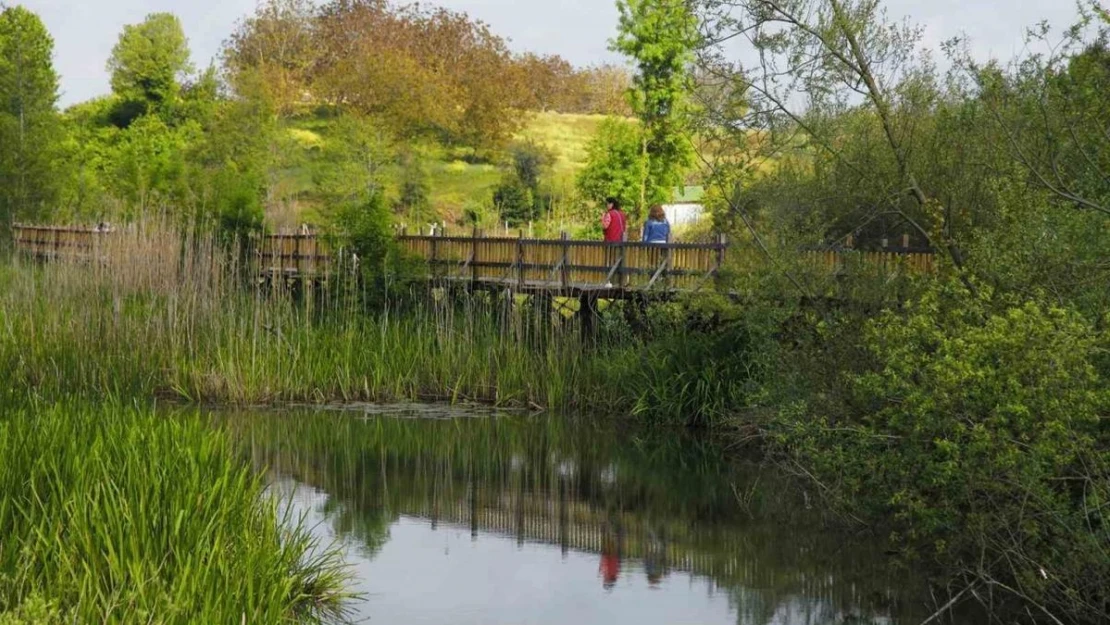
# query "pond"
(452, 517)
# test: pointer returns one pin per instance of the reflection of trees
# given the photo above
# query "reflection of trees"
(669, 500)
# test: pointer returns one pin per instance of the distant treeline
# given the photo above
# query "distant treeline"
(211, 146)
(424, 68)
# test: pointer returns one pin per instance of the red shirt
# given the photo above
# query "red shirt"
(610, 568)
(614, 223)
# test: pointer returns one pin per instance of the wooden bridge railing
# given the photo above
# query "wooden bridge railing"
(558, 265)
(565, 264)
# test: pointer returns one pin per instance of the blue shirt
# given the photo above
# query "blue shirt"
(656, 231)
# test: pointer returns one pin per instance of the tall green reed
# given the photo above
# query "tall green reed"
(118, 514)
(162, 314)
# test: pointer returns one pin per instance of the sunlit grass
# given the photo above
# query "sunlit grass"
(117, 514)
(186, 323)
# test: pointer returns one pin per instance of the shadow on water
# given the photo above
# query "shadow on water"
(504, 519)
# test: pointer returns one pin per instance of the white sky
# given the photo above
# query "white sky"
(85, 30)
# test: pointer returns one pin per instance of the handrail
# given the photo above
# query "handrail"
(561, 264)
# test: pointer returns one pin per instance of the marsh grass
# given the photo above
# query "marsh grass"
(161, 314)
(114, 513)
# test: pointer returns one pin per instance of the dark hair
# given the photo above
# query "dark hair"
(614, 201)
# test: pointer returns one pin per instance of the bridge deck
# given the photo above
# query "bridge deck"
(532, 266)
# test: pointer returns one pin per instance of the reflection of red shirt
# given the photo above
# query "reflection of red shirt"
(614, 223)
(610, 567)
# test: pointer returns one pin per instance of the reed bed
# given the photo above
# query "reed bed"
(158, 313)
(162, 314)
(117, 514)
(114, 513)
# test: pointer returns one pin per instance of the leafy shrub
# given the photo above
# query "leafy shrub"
(615, 167)
(977, 432)
(529, 162)
(514, 202)
(705, 364)
(415, 190)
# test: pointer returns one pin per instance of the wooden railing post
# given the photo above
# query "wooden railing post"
(434, 254)
(722, 243)
(564, 278)
(667, 266)
(620, 259)
(474, 257)
(298, 240)
(520, 261)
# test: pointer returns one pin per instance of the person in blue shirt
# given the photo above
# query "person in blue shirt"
(657, 229)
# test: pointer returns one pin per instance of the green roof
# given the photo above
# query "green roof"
(688, 195)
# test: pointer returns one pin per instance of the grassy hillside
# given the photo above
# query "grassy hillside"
(457, 181)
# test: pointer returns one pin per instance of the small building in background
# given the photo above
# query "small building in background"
(686, 209)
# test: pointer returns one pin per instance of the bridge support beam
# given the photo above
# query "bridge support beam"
(587, 316)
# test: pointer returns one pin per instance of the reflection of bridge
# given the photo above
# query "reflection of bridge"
(655, 499)
(765, 567)
(771, 562)
(551, 267)
(574, 525)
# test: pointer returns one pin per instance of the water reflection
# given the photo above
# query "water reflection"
(541, 520)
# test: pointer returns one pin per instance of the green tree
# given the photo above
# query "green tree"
(146, 167)
(615, 165)
(272, 53)
(514, 201)
(660, 36)
(228, 165)
(30, 127)
(352, 166)
(149, 62)
(413, 197)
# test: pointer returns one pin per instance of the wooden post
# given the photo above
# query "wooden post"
(57, 242)
(564, 278)
(434, 254)
(620, 259)
(298, 254)
(722, 243)
(474, 258)
(667, 267)
(587, 315)
(520, 261)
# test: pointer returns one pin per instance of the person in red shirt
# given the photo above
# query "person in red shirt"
(610, 567)
(614, 222)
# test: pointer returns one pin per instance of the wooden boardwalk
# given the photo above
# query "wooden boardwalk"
(559, 267)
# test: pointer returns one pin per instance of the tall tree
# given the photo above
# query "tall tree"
(660, 36)
(426, 71)
(30, 127)
(614, 166)
(272, 53)
(149, 62)
(814, 61)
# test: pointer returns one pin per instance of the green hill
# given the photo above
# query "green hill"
(456, 180)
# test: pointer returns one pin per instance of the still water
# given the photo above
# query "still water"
(467, 518)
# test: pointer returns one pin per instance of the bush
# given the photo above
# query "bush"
(514, 202)
(704, 361)
(414, 194)
(615, 167)
(977, 432)
(529, 162)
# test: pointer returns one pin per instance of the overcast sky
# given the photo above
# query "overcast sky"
(85, 30)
